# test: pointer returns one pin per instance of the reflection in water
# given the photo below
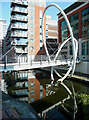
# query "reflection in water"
(33, 85)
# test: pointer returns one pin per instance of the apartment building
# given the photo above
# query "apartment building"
(3, 30)
(51, 34)
(78, 15)
(24, 29)
(24, 38)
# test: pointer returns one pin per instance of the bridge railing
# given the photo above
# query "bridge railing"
(32, 58)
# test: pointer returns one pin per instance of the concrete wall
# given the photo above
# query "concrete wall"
(82, 67)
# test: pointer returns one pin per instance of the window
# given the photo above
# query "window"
(31, 18)
(32, 91)
(83, 48)
(31, 10)
(26, 84)
(85, 12)
(74, 17)
(32, 84)
(40, 37)
(64, 33)
(87, 50)
(32, 99)
(31, 25)
(31, 40)
(31, 48)
(40, 13)
(41, 87)
(63, 23)
(31, 2)
(85, 21)
(41, 94)
(31, 32)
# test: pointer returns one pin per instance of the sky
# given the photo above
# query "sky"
(52, 11)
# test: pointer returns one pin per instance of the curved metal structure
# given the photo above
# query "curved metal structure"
(74, 43)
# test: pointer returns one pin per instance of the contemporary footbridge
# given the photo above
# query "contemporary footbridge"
(41, 61)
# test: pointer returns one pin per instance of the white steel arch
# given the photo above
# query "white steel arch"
(74, 43)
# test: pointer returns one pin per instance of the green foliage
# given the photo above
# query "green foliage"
(84, 98)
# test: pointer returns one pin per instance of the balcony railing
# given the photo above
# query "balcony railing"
(18, 35)
(20, 11)
(24, 3)
(21, 51)
(19, 43)
(19, 18)
(19, 26)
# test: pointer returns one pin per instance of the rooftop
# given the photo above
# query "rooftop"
(73, 6)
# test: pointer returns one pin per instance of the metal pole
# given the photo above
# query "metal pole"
(41, 59)
(19, 60)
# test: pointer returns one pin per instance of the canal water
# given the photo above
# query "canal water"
(33, 85)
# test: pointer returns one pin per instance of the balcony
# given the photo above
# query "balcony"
(20, 3)
(16, 10)
(19, 35)
(19, 27)
(20, 51)
(19, 43)
(23, 92)
(19, 19)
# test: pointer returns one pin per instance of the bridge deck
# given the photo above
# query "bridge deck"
(31, 65)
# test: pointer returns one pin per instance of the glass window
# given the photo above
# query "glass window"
(41, 94)
(87, 50)
(32, 91)
(31, 25)
(31, 32)
(31, 18)
(40, 37)
(31, 48)
(83, 48)
(40, 13)
(85, 21)
(85, 12)
(63, 23)
(32, 84)
(26, 84)
(31, 2)
(31, 10)
(32, 40)
(32, 99)
(74, 17)
(41, 87)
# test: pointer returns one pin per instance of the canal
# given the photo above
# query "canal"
(34, 85)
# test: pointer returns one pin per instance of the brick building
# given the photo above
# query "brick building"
(78, 15)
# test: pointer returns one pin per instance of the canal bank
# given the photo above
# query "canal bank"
(77, 76)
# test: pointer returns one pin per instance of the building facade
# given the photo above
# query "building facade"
(24, 29)
(24, 38)
(3, 30)
(51, 35)
(78, 15)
